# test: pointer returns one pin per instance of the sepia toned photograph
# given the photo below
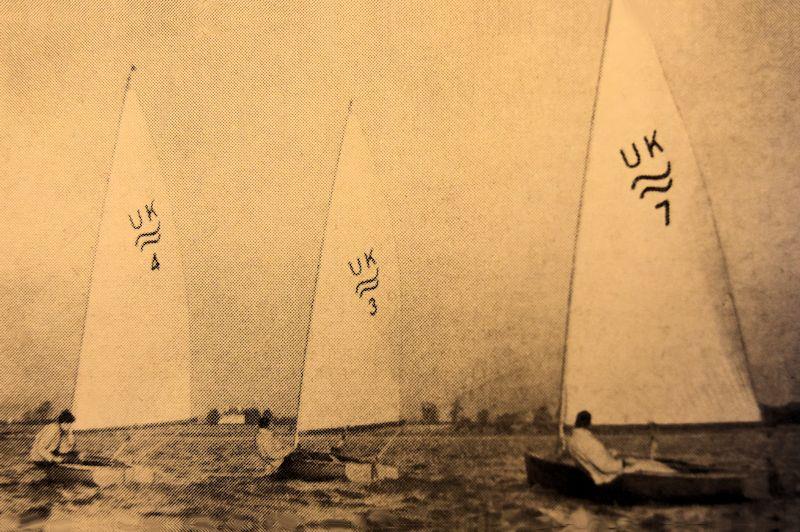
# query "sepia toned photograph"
(399, 265)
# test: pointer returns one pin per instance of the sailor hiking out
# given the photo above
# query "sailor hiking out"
(55, 442)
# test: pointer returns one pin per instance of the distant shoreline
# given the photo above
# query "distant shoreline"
(773, 416)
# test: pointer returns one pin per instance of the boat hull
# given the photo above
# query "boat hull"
(101, 473)
(90, 475)
(689, 485)
(324, 467)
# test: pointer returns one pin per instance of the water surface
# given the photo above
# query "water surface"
(210, 479)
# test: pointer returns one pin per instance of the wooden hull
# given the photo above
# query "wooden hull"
(689, 485)
(81, 474)
(99, 472)
(324, 467)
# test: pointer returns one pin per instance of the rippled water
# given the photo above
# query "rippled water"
(210, 479)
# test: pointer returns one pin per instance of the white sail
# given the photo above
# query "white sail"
(134, 360)
(349, 377)
(652, 333)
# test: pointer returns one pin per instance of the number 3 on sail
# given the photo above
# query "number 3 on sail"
(368, 281)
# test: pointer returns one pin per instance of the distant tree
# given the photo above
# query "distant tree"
(505, 423)
(251, 416)
(267, 414)
(456, 411)
(430, 412)
(213, 417)
(542, 417)
(43, 412)
(482, 419)
(464, 423)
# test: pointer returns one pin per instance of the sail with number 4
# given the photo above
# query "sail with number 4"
(652, 335)
(134, 359)
(350, 376)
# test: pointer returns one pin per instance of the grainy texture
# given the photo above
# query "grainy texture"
(477, 116)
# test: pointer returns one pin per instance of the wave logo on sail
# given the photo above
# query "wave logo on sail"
(656, 183)
(149, 231)
(368, 278)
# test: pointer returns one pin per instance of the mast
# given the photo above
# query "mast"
(316, 274)
(99, 228)
(563, 396)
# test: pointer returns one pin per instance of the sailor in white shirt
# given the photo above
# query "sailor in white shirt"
(55, 442)
(602, 464)
(269, 448)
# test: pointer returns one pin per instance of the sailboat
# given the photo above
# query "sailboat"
(134, 361)
(349, 378)
(652, 333)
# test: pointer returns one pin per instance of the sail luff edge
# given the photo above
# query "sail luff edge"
(99, 228)
(562, 397)
(316, 275)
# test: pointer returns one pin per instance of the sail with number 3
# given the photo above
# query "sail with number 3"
(350, 374)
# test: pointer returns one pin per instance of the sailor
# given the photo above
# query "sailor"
(269, 448)
(653, 450)
(337, 448)
(602, 464)
(55, 443)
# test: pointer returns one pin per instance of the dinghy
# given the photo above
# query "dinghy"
(690, 484)
(324, 467)
(99, 471)
(349, 377)
(652, 334)
(133, 367)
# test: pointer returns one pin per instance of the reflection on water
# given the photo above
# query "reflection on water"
(210, 479)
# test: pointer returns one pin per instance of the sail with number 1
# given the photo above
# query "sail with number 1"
(134, 361)
(350, 374)
(652, 332)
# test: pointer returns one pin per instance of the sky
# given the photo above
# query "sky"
(477, 117)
